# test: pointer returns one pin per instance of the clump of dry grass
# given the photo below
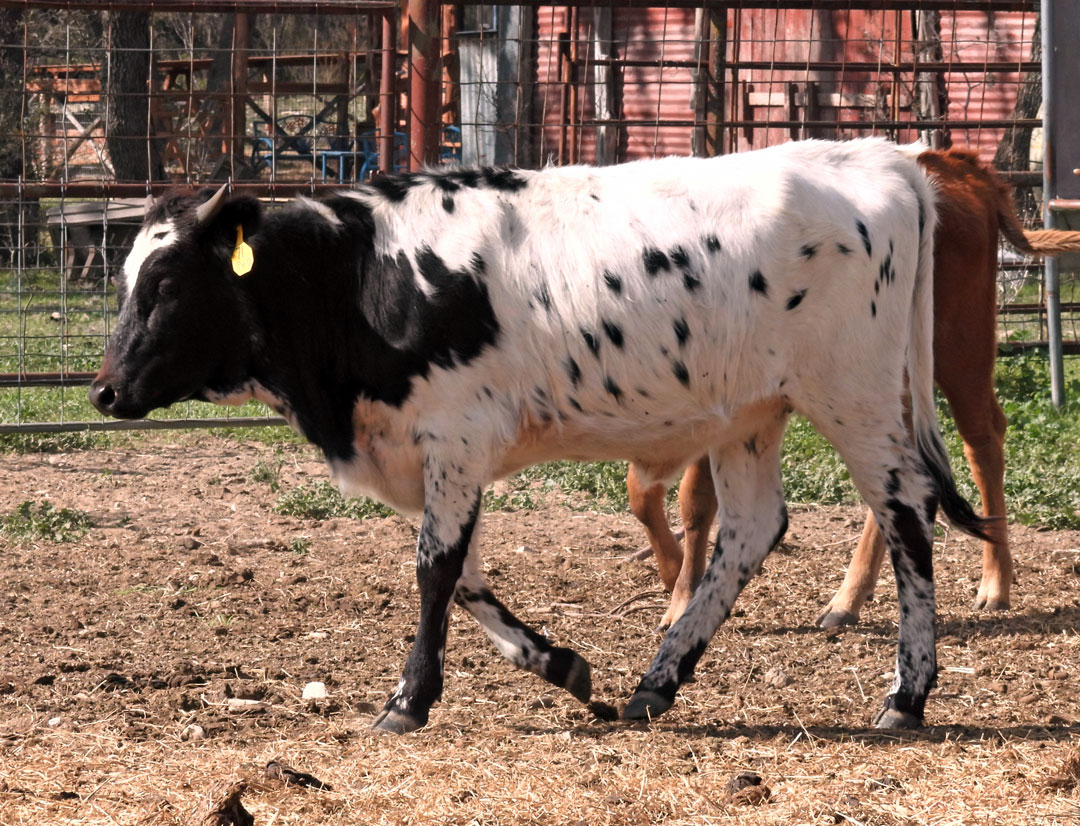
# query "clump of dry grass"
(1067, 777)
(561, 768)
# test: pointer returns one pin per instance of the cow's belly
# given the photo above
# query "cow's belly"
(660, 450)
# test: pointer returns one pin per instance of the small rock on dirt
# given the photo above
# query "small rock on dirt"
(314, 691)
(229, 811)
(193, 732)
(276, 770)
(751, 796)
(884, 784)
(240, 704)
(604, 711)
(743, 780)
(777, 678)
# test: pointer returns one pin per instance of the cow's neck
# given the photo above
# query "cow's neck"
(313, 346)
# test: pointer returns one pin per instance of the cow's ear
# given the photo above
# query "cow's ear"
(217, 224)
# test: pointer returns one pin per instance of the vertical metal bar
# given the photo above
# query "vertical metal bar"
(715, 87)
(1053, 294)
(424, 76)
(564, 92)
(387, 98)
(238, 121)
(572, 92)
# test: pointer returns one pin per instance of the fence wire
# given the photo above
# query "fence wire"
(101, 107)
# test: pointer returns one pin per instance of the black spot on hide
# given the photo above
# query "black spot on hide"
(655, 260)
(758, 283)
(864, 233)
(573, 371)
(682, 330)
(796, 299)
(681, 373)
(613, 332)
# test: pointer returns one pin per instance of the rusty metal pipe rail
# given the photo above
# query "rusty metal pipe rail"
(140, 424)
(938, 67)
(128, 189)
(236, 6)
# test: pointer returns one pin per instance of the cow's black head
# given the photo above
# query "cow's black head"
(183, 329)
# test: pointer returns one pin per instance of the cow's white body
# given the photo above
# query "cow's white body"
(744, 349)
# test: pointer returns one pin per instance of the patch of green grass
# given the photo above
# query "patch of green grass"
(268, 473)
(1042, 444)
(30, 521)
(520, 499)
(323, 501)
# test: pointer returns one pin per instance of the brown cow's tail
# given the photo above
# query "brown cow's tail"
(920, 367)
(1034, 242)
(1048, 241)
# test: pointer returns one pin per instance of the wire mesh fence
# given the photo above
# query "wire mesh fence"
(103, 104)
(103, 107)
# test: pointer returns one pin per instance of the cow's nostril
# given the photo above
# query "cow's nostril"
(102, 396)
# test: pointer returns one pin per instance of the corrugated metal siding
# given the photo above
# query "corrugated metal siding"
(648, 95)
(982, 36)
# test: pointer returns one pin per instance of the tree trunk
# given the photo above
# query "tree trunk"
(11, 127)
(126, 70)
(1013, 153)
(931, 93)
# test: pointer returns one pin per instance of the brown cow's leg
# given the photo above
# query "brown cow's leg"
(860, 579)
(982, 427)
(647, 504)
(697, 504)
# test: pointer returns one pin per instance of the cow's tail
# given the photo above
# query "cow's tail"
(1037, 242)
(927, 433)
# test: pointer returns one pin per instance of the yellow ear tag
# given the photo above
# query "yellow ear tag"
(243, 259)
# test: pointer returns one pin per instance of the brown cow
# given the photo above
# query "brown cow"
(974, 206)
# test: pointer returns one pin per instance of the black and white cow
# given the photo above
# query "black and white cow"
(433, 332)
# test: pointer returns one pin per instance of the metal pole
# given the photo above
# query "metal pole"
(424, 77)
(1053, 293)
(387, 95)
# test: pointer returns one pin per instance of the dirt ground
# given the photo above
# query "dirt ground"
(163, 656)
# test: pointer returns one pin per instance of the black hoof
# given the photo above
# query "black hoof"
(645, 705)
(392, 721)
(891, 718)
(836, 619)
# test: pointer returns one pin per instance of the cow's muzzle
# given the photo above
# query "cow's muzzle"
(107, 397)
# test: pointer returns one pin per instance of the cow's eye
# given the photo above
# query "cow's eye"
(167, 287)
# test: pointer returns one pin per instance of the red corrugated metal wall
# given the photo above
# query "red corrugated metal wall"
(648, 98)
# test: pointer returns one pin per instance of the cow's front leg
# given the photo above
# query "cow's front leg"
(450, 515)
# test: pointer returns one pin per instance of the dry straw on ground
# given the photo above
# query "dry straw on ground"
(113, 647)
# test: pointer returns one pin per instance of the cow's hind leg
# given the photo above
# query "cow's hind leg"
(894, 481)
(647, 503)
(517, 642)
(697, 505)
(982, 427)
(860, 579)
(752, 521)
